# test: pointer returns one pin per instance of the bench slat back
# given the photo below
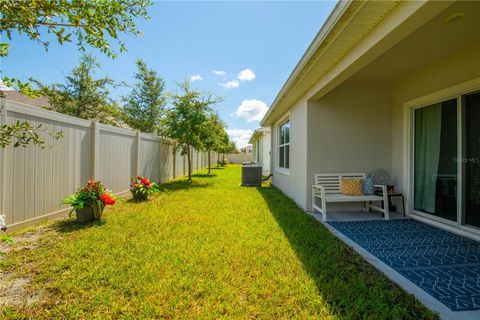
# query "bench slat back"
(331, 181)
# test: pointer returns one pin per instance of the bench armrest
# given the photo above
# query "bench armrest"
(386, 206)
(382, 187)
(318, 189)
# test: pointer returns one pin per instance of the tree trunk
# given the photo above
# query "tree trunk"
(189, 164)
(223, 158)
(208, 162)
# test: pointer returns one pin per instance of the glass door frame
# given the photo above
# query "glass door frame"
(462, 146)
(456, 92)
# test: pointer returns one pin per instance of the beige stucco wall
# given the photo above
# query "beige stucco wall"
(349, 130)
(461, 66)
(359, 126)
(261, 152)
(293, 184)
(265, 152)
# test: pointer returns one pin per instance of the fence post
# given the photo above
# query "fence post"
(174, 153)
(3, 116)
(95, 150)
(138, 159)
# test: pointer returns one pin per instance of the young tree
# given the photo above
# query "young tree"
(82, 95)
(92, 23)
(211, 135)
(184, 121)
(230, 147)
(145, 104)
(225, 146)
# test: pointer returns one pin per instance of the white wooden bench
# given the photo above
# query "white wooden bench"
(327, 189)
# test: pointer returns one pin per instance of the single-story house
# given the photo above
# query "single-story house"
(247, 149)
(392, 85)
(260, 141)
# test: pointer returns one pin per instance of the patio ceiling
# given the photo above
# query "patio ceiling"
(453, 29)
(346, 26)
(355, 34)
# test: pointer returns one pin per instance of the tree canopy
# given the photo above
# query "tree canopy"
(212, 134)
(90, 23)
(185, 120)
(225, 145)
(82, 95)
(144, 106)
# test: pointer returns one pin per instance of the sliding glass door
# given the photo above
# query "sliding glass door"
(435, 168)
(471, 161)
(446, 185)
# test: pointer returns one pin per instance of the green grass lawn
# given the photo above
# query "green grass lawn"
(203, 250)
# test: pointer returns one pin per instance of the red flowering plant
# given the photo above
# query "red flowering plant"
(142, 187)
(92, 195)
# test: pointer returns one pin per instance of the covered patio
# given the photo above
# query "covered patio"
(412, 111)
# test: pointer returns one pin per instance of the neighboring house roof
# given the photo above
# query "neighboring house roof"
(257, 134)
(347, 25)
(40, 102)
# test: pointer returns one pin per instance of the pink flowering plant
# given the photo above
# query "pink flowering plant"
(142, 187)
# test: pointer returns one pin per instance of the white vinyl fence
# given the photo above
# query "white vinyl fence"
(34, 181)
(238, 158)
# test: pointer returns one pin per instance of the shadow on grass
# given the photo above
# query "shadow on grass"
(71, 225)
(352, 288)
(131, 200)
(182, 184)
(203, 175)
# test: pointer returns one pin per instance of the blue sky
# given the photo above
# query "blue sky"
(265, 40)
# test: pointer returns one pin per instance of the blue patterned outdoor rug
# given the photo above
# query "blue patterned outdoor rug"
(445, 265)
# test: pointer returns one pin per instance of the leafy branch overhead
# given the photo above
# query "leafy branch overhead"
(24, 88)
(23, 133)
(90, 23)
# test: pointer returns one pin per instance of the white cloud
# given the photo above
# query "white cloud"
(240, 136)
(246, 75)
(219, 72)
(251, 110)
(230, 84)
(196, 77)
